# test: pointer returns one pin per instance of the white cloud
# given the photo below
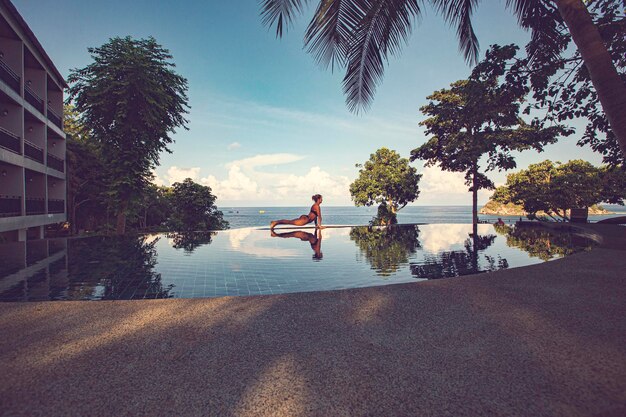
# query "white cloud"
(313, 182)
(247, 181)
(175, 174)
(436, 181)
(242, 114)
(439, 186)
(266, 159)
(238, 186)
(234, 145)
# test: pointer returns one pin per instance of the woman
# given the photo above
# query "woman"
(314, 215)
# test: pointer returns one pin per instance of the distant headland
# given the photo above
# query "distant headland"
(494, 208)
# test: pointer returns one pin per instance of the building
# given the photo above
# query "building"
(32, 142)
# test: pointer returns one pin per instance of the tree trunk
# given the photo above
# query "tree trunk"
(120, 228)
(607, 82)
(474, 196)
(474, 248)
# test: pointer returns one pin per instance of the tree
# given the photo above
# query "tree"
(85, 184)
(360, 35)
(130, 101)
(555, 188)
(387, 179)
(561, 83)
(480, 116)
(194, 208)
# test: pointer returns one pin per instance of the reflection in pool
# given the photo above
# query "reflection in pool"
(254, 261)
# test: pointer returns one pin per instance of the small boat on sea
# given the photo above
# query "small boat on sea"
(261, 211)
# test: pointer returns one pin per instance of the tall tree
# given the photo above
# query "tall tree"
(360, 35)
(480, 116)
(131, 101)
(386, 179)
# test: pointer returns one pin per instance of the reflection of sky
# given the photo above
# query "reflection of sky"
(252, 242)
(445, 237)
(249, 261)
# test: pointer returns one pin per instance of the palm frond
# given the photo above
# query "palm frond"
(548, 37)
(328, 35)
(281, 13)
(459, 13)
(383, 29)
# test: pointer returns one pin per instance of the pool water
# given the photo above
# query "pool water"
(252, 261)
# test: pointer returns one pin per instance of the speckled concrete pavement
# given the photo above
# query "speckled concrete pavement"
(544, 340)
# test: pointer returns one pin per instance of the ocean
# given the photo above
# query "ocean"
(239, 217)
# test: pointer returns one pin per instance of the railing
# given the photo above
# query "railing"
(35, 206)
(33, 151)
(56, 206)
(9, 76)
(33, 98)
(55, 118)
(10, 141)
(55, 162)
(10, 205)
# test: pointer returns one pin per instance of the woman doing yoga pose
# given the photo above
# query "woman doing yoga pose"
(314, 215)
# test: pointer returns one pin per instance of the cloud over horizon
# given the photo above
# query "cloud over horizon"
(246, 180)
(251, 180)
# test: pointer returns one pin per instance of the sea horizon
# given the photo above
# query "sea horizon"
(259, 216)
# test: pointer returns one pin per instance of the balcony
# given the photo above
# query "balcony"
(33, 98)
(35, 206)
(55, 118)
(9, 77)
(10, 141)
(33, 151)
(56, 206)
(10, 206)
(55, 162)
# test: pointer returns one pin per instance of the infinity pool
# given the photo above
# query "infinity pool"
(255, 261)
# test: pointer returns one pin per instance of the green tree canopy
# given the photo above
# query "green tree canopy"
(130, 101)
(194, 208)
(562, 86)
(387, 179)
(480, 116)
(555, 188)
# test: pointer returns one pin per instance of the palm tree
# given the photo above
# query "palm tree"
(361, 34)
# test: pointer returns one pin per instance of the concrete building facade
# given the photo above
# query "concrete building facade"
(33, 182)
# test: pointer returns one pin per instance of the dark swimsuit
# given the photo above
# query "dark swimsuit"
(312, 214)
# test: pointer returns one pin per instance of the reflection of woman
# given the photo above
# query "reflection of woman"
(314, 239)
(314, 215)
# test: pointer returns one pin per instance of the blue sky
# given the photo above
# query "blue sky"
(268, 127)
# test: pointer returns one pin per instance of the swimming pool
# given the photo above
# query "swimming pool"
(253, 261)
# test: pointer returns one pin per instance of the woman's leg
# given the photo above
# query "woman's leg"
(300, 221)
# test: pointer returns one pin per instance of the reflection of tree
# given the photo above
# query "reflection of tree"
(460, 262)
(543, 243)
(189, 241)
(114, 268)
(386, 249)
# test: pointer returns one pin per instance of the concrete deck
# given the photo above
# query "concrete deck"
(544, 340)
